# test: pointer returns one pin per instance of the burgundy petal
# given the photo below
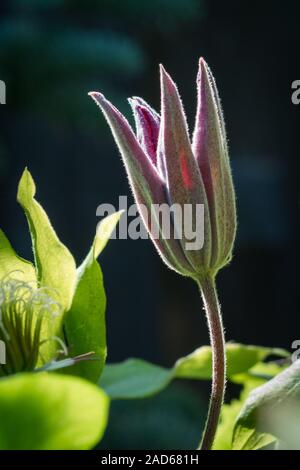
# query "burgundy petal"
(184, 181)
(210, 150)
(147, 186)
(147, 126)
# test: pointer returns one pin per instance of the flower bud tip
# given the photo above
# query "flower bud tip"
(96, 96)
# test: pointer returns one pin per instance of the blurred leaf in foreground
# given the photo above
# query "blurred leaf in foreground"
(48, 411)
(266, 406)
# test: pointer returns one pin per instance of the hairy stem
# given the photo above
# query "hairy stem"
(217, 341)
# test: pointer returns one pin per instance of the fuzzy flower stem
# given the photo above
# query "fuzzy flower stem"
(217, 340)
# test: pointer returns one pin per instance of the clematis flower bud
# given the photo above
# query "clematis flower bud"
(165, 167)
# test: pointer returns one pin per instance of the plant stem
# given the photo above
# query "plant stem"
(217, 341)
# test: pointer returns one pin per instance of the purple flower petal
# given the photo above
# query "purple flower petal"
(147, 126)
(210, 150)
(184, 181)
(147, 186)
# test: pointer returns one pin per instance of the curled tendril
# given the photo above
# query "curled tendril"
(24, 310)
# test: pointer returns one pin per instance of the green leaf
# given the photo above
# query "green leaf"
(45, 411)
(126, 380)
(104, 231)
(240, 358)
(55, 265)
(224, 433)
(134, 378)
(254, 424)
(254, 377)
(84, 324)
(12, 265)
(258, 374)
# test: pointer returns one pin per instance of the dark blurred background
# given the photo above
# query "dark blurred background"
(52, 53)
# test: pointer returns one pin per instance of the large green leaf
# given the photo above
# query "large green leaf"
(255, 426)
(240, 358)
(55, 265)
(12, 265)
(48, 411)
(134, 378)
(84, 324)
(127, 379)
